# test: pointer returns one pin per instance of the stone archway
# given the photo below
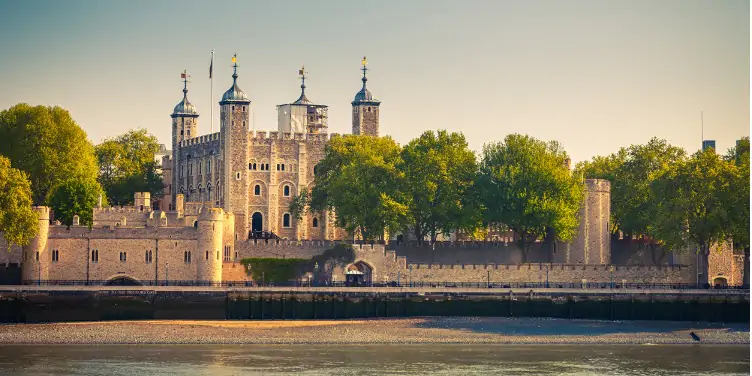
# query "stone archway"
(720, 282)
(122, 280)
(359, 273)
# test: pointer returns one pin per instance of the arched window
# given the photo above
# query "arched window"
(283, 167)
(286, 191)
(278, 167)
(315, 170)
(315, 222)
(257, 190)
(286, 220)
(195, 224)
(189, 257)
(207, 255)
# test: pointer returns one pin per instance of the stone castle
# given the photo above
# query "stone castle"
(227, 198)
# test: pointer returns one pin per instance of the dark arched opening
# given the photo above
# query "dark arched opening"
(123, 281)
(257, 223)
(359, 274)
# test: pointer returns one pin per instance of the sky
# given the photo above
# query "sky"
(594, 75)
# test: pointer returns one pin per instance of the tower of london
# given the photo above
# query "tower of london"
(252, 174)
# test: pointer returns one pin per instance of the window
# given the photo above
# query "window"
(278, 167)
(283, 167)
(55, 255)
(148, 257)
(286, 191)
(232, 123)
(315, 170)
(208, 166)
(189, 132)
(267, 167)
(257, 190)
(315, 222)
(237, 176)
(95, 256)
(227, 254)
(233, 108)
(123, 257)
(243, 123)
(207, 255)
(286, 220)
(36, 258)
(187, 257)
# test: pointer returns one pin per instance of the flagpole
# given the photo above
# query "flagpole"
(211, 91)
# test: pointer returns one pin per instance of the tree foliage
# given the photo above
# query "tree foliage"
(18, 222)
(47, 144)
(526, 186)
(75, 197)
(440, 172)
(739, 156)
(694, 205)
(607, 168)
(127, 165)
(359, 179)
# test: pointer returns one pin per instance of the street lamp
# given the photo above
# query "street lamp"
(167, 273)
(316, 273)
(39, 272)
(398, 278)
(611, 269)
(488, 278)
(546, 275)
(411, 275)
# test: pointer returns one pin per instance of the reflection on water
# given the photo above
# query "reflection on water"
(374, 359)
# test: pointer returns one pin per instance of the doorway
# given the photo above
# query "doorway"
(257, 224)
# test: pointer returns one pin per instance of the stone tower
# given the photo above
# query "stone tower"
(210, 242)
(234, 115)
(184, 126)
(36, 260)
(365, 120)
(593, 242)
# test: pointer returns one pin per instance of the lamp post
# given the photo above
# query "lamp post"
(611, 270)
(488, 278)
(167, 273)
(546, 275)
(39, 273)
(411, 275)
(316, 274)
(398, 278)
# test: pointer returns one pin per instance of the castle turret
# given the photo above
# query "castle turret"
(184, 126)
(234, 110)
(365, 120)
(302, 116)
(593, 241)
(209, 244)
(36, 260)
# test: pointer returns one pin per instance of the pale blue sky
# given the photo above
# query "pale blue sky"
(594, 75)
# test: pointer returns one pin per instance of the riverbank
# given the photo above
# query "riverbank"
(469, 330)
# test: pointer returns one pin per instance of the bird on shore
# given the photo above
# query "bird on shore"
(695, 336)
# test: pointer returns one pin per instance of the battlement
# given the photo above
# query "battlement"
(199, 140)
(264, 136)
(598, 185)
(111, 232)
(43, 212)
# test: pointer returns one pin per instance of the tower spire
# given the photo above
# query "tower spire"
(302, 73)
(185, 76)
(364, 69)
(234, 68)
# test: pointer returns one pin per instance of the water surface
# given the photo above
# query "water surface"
(374, 360)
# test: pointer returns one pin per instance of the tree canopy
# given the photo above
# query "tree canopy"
(18, 221)
(359, 179)
(75, 197)
(526, 185)
(127, 165)
(439, 172)
(47, 144)
(694, 208)
(739, 156)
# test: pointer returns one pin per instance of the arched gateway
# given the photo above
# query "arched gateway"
(359, 274)
(123, 280)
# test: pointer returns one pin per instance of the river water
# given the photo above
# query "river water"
(219, 360)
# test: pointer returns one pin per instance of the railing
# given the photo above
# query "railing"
(458, 285)
(263, 235)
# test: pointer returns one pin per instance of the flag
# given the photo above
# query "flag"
(235, 58)
(182, 75)
(300, 72)
(364, 60)
(211, 66)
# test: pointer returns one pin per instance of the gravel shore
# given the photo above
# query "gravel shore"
(467, 330)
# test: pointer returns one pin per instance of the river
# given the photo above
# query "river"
(220, 360)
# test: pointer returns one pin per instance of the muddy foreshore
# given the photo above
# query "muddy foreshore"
(426, 330)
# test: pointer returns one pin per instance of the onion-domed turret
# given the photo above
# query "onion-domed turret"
(234, 94)
(184, 108)
(364, 96)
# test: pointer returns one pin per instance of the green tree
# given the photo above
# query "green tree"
(440, 172)
(47, 144)
(359, 179)
(739, 156)
(18, 222)
(127, 165)
(75, 197)
(526, 186)
(694, 205)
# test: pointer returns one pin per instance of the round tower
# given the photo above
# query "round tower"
(593, 242)
(36, 262)
(209, 244)
(365, 119)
